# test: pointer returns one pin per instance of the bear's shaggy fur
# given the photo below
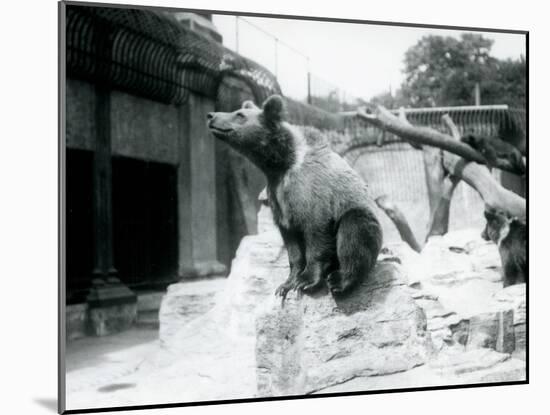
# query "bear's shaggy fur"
(320, 205)
(510, 234)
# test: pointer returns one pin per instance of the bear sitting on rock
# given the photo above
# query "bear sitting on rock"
(320, 204)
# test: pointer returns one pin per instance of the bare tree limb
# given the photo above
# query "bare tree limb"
(441, 185)
(481, 179)
(453, 129)
(476, 175)
(384, 119)
(434, 173)
(399, 220)
(439, 221)
(403, 117)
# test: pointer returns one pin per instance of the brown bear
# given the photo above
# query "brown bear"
(510, 235)
(495, 150)
(320, 205)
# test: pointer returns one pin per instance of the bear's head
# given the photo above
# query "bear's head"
(261, 135)
(472, 140)
(497, 225)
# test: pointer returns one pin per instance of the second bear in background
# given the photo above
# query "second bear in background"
(510, 234)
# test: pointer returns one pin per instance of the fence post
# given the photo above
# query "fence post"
(477, 95)
(237, 34)
(309, 87)
(276, 66)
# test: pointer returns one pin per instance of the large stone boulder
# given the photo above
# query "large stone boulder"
(314, 343)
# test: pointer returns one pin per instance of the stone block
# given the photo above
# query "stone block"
(76, 321)
(112, 319)
(112, 307)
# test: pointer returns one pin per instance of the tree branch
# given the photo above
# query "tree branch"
(399, 220)
(476, 175)
(382, 118)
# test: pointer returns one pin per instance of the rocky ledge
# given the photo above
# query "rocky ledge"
(431, 319)
(436, 318)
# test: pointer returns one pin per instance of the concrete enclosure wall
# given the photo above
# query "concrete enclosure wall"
(150, 131)
(397, 170)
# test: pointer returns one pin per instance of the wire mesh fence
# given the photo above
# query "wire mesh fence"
(291, 67)
(397, 170)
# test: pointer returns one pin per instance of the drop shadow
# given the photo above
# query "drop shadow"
(372, 291)
(48, 403)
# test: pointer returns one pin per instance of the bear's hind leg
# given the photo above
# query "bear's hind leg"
(358, 242)
(320, 260)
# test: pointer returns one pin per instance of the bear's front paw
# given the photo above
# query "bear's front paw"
(283, 290)
(337, 283)
(307, 286)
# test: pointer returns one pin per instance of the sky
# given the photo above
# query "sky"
(361, 59)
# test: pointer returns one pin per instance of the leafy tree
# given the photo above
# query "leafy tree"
(442, 71)
(507, 85)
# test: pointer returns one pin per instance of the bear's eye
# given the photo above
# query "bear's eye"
(240, 115)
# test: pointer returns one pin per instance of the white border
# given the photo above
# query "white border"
(28, 213)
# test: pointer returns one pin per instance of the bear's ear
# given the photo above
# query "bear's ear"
(274, 108)
(249, 105)
(490, 213)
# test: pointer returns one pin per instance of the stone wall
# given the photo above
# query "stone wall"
(140, 128)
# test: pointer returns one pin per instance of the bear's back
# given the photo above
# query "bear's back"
(320, 187)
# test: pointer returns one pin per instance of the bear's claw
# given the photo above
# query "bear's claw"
(334, 282)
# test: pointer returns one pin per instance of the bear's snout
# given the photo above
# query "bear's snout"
(210, 116)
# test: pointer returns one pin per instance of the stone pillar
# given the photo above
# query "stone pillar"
(102, 182)
(112, 305)
(197, 192)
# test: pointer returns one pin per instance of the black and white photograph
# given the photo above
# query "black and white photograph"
(257, 207)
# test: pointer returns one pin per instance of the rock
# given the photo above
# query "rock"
(502, 325)
(513, 298)
(477, 366)
(458, 284)
(203, 269)
(484, 255)
(439, 319)
(184, 302)
(493, 330)
(459, 270)
(261, 264)
(459, 362)
(315, 343)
